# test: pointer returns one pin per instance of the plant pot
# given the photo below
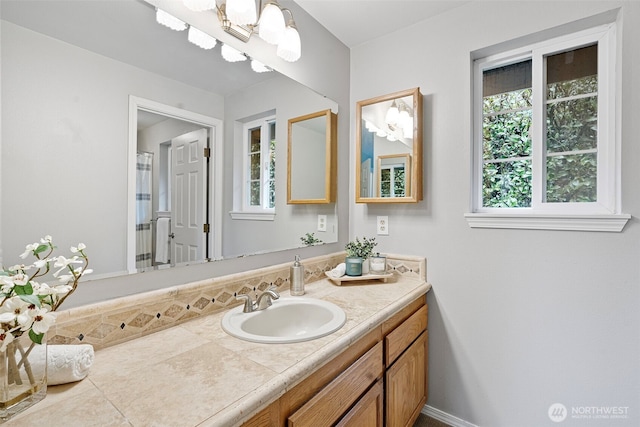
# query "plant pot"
(23, 376)
(353, 266)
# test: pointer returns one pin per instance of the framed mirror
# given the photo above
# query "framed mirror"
(312, 159)
(389, 148)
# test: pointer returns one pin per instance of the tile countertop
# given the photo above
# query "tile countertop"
(195, 374)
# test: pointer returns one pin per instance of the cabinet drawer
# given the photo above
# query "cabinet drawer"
(397, 341)
(325, 408)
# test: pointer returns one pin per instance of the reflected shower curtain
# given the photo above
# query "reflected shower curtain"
(143, 210)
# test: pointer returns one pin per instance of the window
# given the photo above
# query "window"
(545, 137)
(260, 165)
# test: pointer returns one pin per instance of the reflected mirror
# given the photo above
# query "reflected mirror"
(69, 69)
(389, 148)
(311, 161)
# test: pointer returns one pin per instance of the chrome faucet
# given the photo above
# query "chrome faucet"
(263, 301)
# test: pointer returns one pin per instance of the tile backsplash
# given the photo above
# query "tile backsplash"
(119, 320)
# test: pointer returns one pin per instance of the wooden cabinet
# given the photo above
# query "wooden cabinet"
(379, 380)
(406, 385)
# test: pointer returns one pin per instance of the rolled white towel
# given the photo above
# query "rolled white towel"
(65, 363)
(338, 272)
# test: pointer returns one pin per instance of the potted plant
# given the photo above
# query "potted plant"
(358, 253)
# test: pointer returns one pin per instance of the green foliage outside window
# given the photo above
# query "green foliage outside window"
(571, 145)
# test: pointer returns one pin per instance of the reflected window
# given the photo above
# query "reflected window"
(260, 164)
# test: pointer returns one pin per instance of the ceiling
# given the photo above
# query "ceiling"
(356, 21)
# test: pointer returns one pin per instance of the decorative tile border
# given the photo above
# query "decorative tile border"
(123, 319)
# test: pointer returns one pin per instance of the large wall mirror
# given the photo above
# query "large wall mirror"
(312, 158)
(389, 148)
(69, 72)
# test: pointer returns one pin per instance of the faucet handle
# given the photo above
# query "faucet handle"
(248, 302)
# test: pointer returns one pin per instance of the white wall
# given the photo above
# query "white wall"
(518, 319)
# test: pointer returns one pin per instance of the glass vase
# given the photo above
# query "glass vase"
(23, 375)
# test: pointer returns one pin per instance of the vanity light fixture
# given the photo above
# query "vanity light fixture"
(241, 19)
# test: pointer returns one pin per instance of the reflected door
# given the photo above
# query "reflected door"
(187, 197)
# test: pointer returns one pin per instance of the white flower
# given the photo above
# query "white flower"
(46, 240)
(5, 339)
(41, 263)
(29, 250)
(15, 309)
(42, 320)
(80, 247)
(20, 279)
(63, 263)
(20, 267)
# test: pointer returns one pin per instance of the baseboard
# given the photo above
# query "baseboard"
(439, 415)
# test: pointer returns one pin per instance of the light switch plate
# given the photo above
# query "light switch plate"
(322, 223)
(383, 225)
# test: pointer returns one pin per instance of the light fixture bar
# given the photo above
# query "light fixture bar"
(241, 32)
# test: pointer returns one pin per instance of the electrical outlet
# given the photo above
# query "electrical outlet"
(383, 225)
(322, 223)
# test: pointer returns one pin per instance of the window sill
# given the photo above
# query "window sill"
(608, 223)
(253, 216)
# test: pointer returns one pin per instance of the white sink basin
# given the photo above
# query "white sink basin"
(289, 319)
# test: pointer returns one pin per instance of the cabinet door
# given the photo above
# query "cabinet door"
(406, 380)
(329, 405)
(368, 412)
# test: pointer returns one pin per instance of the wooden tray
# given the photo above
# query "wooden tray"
(340, 280)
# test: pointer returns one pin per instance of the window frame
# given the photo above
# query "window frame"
(602, 215)
(248, 211)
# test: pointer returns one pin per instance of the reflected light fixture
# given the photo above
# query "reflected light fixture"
(170, 21)
(231, 54)
(259, 67)
(201, 39)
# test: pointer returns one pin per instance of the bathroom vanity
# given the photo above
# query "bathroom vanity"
(372, 371)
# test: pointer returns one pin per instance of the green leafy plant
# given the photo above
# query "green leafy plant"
(310, 239)
(361, 248)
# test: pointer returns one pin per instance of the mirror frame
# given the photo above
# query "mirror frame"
(331, 157)
(415, 180)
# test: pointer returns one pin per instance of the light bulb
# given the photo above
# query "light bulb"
(232, 55)
(289, 46)
(242, 12)
(392, 114)
(201, 39)
(170, 21)
(271, 26)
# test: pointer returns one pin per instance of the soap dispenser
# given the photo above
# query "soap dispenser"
(297, 278)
